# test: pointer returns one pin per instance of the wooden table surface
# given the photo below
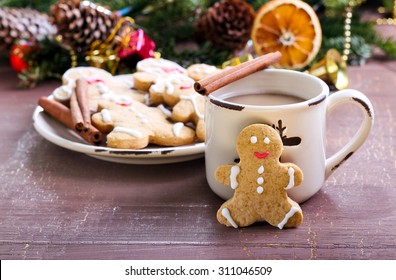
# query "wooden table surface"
(60, 204)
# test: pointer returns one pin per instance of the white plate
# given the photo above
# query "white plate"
(58, 134)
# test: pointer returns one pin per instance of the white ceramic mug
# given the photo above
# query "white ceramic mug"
(302, 125)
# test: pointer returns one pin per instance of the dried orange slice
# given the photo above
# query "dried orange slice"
(291, 27)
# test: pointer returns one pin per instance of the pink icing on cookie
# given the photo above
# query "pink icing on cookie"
(93, 80)
(171, 70)
(124, 103)
(186, 86)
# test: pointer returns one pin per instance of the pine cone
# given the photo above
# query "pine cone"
(80, 23)
(23, 23)
(227, 24)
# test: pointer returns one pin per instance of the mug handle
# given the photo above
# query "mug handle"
(357, 98)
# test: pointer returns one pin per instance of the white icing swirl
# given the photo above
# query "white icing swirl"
(169, 83)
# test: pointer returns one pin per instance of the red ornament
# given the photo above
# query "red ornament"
(19, 55)
(138, 44)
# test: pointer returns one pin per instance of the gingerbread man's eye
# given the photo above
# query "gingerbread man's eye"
(253, 139)
(266, 140)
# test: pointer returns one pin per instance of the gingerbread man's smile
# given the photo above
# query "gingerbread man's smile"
(261, 155)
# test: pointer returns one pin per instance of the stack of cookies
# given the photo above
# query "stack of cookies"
(155, 105)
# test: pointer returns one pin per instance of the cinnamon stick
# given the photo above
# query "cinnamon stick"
(63, 114)
(76, 115)
(83, 101)
(229, 75)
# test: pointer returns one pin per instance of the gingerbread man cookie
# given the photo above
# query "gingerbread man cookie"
(136, 125)
(171, 86)
(152, 70)
(191, 108)
(260, 182)
(167, 90)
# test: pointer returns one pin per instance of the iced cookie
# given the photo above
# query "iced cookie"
(191, 108)
(136, 125)
(167, 90)
(260, 182)
(201, 71)
(160, 66)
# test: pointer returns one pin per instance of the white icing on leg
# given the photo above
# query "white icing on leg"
(289, 214)
(226, 214)
(133, 132)
(164, 110)
(106, 117)
(233, 176)
(177, 128)
(291, 178)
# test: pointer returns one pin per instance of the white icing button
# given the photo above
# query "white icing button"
(253, 139)
(266, 140)
(260, 170)
(260, 180)
(260, 189)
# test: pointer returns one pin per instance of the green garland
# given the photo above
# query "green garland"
(180, 15)
(170, 24)
(178, 32)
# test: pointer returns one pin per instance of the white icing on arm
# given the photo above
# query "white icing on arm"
(226, 214)
(291, 178)
(233, 176)
(289, 214)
